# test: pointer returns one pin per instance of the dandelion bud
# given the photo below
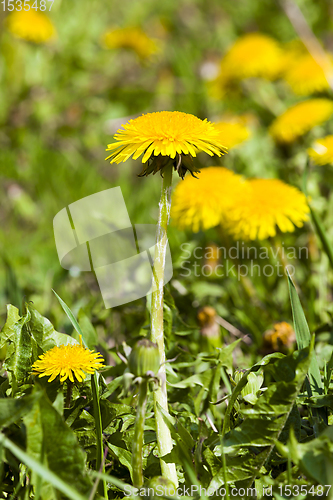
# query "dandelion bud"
(158, 484)
(144, 358)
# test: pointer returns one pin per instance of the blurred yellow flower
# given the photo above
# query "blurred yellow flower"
(253, 55)
(321, 152)
(265, 205)
(204, 203)
(33, 26)
(281, 337)
(234, 132)
(307, 76)
(131, 38)
(292, 52)
(164, 137)
(67, 361)
(300, 118)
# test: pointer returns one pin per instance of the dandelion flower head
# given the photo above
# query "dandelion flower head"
(233, 131)
(202, 204)
(68, 361)
(164, 136)
(253, 55)
(131, 38)
(291, 52)
(306, 76)
(300, 119)
(266, 204)
(321, 152)
(33, 26)
(282, 335)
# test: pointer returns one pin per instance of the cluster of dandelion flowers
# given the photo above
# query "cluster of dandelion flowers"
(266, 204)
(166, 138)
(204, 203)
(32, 26)
(307, 75)
(233, 132)
(68, 361)
(300, 119)
(131, 38)
(321, 153)
(253, 55)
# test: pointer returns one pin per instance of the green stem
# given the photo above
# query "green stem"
(68, 394)
(164, 440)
(138, 435)
(100, 466)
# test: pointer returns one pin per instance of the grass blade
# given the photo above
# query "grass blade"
(315, 384)
(71, 317)
(320, 230)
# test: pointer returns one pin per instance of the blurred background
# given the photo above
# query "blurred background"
(69, 80)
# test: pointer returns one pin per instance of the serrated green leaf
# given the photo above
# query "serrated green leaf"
(44, 333)
(266, 420)
(52, 442)
(124, 456)
(270, 358)
(18, 339)
(41, 470)
(239, 468)
(11, 410)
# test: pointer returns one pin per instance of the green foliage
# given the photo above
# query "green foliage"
(52, 442)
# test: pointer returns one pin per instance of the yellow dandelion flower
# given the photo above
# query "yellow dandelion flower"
(133, 39)
(265, 205)
(253, 55)
(282, 336)
(166, 137)
(68, 361)
(307, 76)
(291, 53)
(322, 151)
(234, 132)
(33, 26)
(202, 204)
(301, 118)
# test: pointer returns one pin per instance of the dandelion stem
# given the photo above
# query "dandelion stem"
(100, 463)
(164, 440)
(68, 394)
(138, 434)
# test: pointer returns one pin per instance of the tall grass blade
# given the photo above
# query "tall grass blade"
(327, 246)
(315, 385)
